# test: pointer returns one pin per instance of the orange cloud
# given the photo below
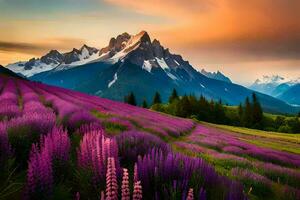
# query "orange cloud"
(256, 26)
(177, 9)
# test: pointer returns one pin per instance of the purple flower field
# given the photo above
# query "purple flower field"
(58, 144)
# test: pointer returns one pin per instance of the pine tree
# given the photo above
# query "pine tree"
(257, 113)
(240, 113)
(219, 112)
(183, 107)
(247, 117)
(203, 108)
(145, 105)
(131, 99)
(173, 96)
(156, 99)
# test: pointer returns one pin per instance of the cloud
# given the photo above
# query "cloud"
(169, 8)
(264, 29)
(40, 47)
(20, 47)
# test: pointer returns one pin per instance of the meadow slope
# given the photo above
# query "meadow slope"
(60, 144)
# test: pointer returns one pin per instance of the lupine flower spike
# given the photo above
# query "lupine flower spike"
(111, 180)
(125, 185)
(137, 191)
(190, 194)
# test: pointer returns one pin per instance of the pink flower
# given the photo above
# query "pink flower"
(125, 185)
(135, 176)
(111, 180)
(190, 194)
(137, 191)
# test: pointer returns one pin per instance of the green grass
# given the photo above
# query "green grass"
(113, 128)
(100, 115)
(275, 145)
(294, 138)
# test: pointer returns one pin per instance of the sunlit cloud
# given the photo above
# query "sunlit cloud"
(265, 28)
(36, 48)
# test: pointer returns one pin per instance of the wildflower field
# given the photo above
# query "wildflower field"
(60, 144)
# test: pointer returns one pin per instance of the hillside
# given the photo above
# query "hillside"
(291, 95)
(8, 72)
(88, 135)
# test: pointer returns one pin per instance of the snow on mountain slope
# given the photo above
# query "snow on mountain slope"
(113, 81)
(55, 60)
(273, 85)
(37, 67)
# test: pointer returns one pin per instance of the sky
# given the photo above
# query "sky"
(243, 39)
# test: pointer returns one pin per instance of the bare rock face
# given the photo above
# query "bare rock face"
(30, 64)
(52, 57)
(90, 50)
(71, 56)
(158, 50)
(115, 44)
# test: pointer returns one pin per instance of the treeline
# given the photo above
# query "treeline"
(249, 114)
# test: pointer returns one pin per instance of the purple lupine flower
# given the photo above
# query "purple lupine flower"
(80, 117)
(38, 122)
(5, 148)
(93, 152)
(125, 195)
(87, 128)
(137, 191)
(9, 101)
(156, 166)
(134, 143)
(120, 121)
(39, 174)
(111, 180)
(247, 174)
(58, 144)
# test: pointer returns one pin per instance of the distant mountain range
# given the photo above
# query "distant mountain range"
(291, 95)
(279, 87)
(53, 59)
(136, 63)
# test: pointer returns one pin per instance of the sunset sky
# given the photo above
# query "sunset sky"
(243, 39)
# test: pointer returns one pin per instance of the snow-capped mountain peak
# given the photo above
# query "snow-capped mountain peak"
(53, 56)
(274, 80)
(273, 85)
(122, 45)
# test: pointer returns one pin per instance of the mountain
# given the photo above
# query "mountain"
(135, 63)
(267, 84)
(55, 59)
(216, 75)
(291, 95)
(279, 87)
(8, 72)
